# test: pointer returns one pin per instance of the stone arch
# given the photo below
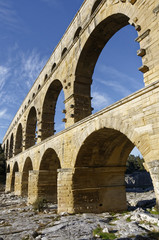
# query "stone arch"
(103, 143)
(99, 172)
(138, 140)
(7, 148)
(95, 6)
(11, 146)
(39, 86)
(19, 140)
(15, 169)
(31, 128)
(28, 166)
(49, 107)
(47, 181)
(8, 168)
(89, 55)
(4, 150)
(77, 33)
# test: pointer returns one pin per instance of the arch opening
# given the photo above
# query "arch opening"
(105, 47)
(31, 126)
(95, 6)
(25, 176)
(15, 169)
(99, 178)
(19, 140)
(8, 168)
(53, 67)
(63, 52)
(11, 146)
(47, 181)
(50, 108)
(77, 33)
(7, 147)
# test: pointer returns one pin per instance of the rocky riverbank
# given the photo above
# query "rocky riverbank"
(18, 221)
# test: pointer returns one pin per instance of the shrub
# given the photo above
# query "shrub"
(39, 205)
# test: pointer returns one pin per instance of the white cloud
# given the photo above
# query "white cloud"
(100, 101)
(31, 65)
(7, 15)
(20, 72)
(117, 87)
(4, 73)
(4, 115)
(120, 76)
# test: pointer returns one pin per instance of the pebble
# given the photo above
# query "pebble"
(35, 234)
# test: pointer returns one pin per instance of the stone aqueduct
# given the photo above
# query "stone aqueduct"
(82, 167)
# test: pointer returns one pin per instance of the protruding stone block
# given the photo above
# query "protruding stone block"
(64, 120)
(142, 36)
(132, 1)
(64, 111)
(138, 28)
(141, 52)
(144, 69)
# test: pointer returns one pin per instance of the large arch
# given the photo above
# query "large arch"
(90, 53)
(15, 169)
(99, 176)
(47, 181)
(7, 149)
(49, 107)
(11, 146)
(19, 140)
(28, 166)
(31, 128)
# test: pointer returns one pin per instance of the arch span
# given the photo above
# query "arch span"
(49, 107)
(47, 181)
(11, 146)
(99, 175)
(19, 139)
(7, 149)
(91, 50)
(15, 169)
(28, 166)
(8, 168)
(31, 128)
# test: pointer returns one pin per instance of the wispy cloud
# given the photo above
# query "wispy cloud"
(117, 87)
(4, 114)
(100, 101)
(20, 72)
(8, 15)
(120, 77)
(31, 65)
(4, 73)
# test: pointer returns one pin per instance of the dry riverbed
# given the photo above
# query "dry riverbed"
(18, 221)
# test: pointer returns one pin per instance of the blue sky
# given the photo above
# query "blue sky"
(30, 30)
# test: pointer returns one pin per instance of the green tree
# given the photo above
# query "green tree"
(134, 163)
